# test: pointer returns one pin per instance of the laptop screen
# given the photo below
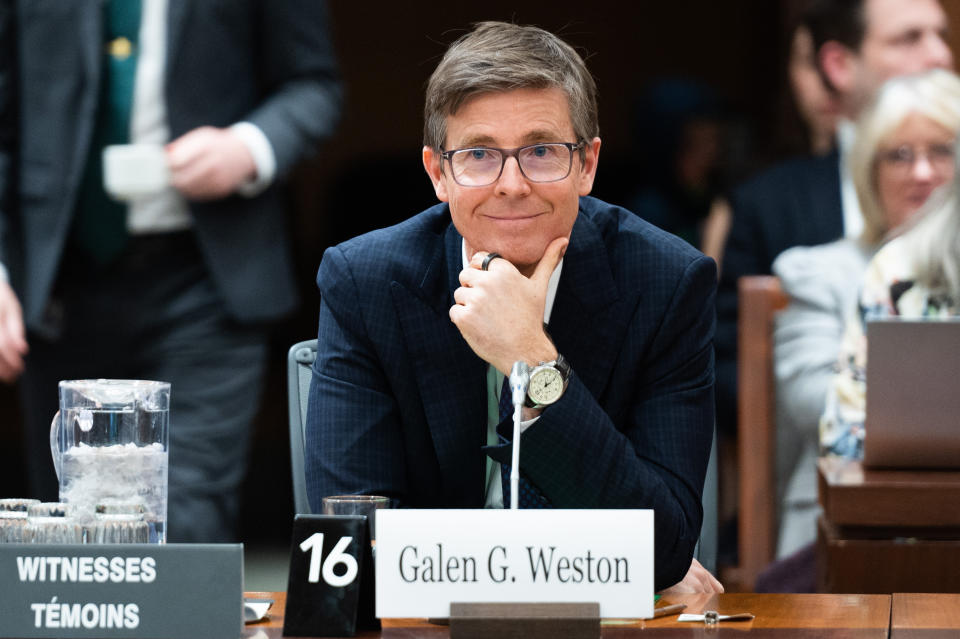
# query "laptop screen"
(913, 394)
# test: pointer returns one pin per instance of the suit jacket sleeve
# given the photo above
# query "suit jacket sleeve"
(655, 455)
(298, 67)
(353, 441)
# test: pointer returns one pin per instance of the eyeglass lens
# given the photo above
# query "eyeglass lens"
(539, 163)
(938, 155)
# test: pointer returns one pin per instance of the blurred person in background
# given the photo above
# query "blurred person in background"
(816, 109)
(903, 151)
(817, 106)
(811, 200)
(679, 128)
(180, 285)
(915, 275)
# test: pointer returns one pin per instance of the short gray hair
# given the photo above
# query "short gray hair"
(934, 94)
(499, 56)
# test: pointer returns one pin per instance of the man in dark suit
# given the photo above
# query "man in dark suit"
(420, 322)
(179, 285)
(808, 201)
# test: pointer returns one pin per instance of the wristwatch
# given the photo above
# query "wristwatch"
(548, 380)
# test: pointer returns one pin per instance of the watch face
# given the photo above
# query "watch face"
(546, 386)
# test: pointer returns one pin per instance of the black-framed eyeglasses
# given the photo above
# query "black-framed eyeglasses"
(483, 165)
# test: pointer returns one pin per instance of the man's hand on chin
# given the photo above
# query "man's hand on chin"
(500, 312)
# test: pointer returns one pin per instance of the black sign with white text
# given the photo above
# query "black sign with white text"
(331, 577)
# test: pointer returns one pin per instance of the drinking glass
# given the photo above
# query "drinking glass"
(12, 523)
(119, 523)
(357, 505)
(52, 523)
(13, 519)
(17, 504)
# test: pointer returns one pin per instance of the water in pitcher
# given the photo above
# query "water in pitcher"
(108, 466)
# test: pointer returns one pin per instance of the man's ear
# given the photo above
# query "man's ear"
(838, 67)
(588, 170)
(432, 164)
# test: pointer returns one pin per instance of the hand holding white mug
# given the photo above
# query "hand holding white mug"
(208, 163)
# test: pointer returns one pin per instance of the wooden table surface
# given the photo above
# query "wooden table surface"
(804, 616)
(925, 616)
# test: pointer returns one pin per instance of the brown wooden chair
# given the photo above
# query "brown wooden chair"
(760, 297)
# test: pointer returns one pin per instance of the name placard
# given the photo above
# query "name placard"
(130, 591)
(427, 559)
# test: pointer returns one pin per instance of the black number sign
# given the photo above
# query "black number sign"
(329, 561)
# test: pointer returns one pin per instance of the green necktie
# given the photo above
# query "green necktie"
(100, 227)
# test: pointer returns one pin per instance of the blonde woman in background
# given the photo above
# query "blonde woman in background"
(915, 275)
(904, 151)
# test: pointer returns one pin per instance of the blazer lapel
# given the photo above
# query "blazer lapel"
(448, 373)
(585, 323)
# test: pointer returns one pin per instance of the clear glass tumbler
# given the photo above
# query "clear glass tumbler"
(52, 523)
(119, 523)
(16, 504)
(366, 505)
(12, 523)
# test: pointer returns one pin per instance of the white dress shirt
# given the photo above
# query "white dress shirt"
(852, 216)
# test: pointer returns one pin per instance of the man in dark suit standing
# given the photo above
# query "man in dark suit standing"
(181, 283)
(811, 200)
(420, 322)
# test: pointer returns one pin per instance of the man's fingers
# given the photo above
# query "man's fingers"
(708, 583)
(461, 295)
(551, 257)
(713, 582)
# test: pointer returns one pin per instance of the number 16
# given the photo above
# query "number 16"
(314, 544)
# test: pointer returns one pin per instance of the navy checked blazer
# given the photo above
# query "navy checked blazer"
(398, 402)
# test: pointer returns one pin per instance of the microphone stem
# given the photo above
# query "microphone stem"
(515, 463)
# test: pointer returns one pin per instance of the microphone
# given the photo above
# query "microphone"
(519, 379)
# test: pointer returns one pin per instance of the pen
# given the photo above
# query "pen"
(663, 611)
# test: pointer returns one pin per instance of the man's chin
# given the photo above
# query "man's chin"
(524, 263)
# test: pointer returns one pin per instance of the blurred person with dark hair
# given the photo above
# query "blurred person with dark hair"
(182, 284)
(811, 200)
(813, 105)
(817, 106)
